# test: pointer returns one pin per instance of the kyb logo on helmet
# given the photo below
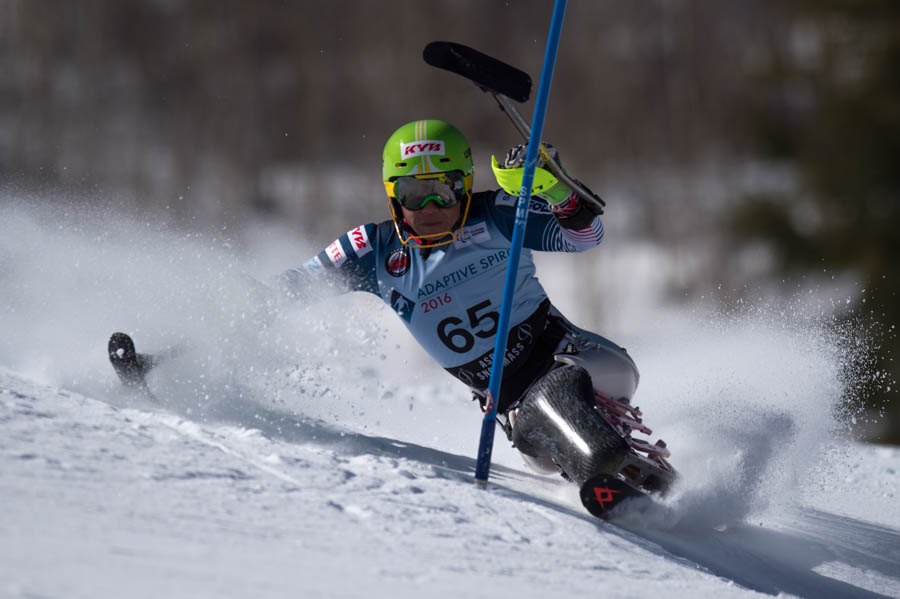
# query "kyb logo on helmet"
(421, 148)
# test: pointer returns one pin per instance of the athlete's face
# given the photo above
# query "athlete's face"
(432, 219)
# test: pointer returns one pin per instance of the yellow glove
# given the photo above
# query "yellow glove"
(545, 184)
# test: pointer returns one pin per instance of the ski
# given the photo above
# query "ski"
(488, 73)
(604, 492)
(590, 439)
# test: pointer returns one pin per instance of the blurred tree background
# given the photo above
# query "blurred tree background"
(756, 142)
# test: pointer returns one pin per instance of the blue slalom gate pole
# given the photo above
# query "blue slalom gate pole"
(488, 425)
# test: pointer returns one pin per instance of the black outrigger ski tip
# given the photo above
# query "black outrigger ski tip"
(488, 73)
(128, 364)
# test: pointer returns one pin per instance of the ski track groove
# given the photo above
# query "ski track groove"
(195, 432)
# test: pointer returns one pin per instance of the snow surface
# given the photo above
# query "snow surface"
(316, 453)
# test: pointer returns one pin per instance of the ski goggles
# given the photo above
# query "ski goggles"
(413, 193)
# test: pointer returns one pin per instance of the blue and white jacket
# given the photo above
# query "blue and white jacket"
(449, 296)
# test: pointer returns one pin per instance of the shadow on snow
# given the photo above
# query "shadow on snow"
(760, 559)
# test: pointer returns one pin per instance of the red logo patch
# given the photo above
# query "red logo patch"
(397, 262)
(414, 149)
(423, 147)
(604, 495)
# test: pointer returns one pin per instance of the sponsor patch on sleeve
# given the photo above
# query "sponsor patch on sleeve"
(534, 205)
(359, 239)
(539, 207)
(336, 253)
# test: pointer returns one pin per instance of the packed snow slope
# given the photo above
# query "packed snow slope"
(312, 451)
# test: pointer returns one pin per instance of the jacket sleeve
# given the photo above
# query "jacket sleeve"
(570, 227)
(347, 264)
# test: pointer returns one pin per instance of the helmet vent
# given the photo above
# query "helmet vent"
(445, 159)
(400, 164)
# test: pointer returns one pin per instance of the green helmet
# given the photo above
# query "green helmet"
(424, 147)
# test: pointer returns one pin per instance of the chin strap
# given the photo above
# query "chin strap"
(401, 226)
